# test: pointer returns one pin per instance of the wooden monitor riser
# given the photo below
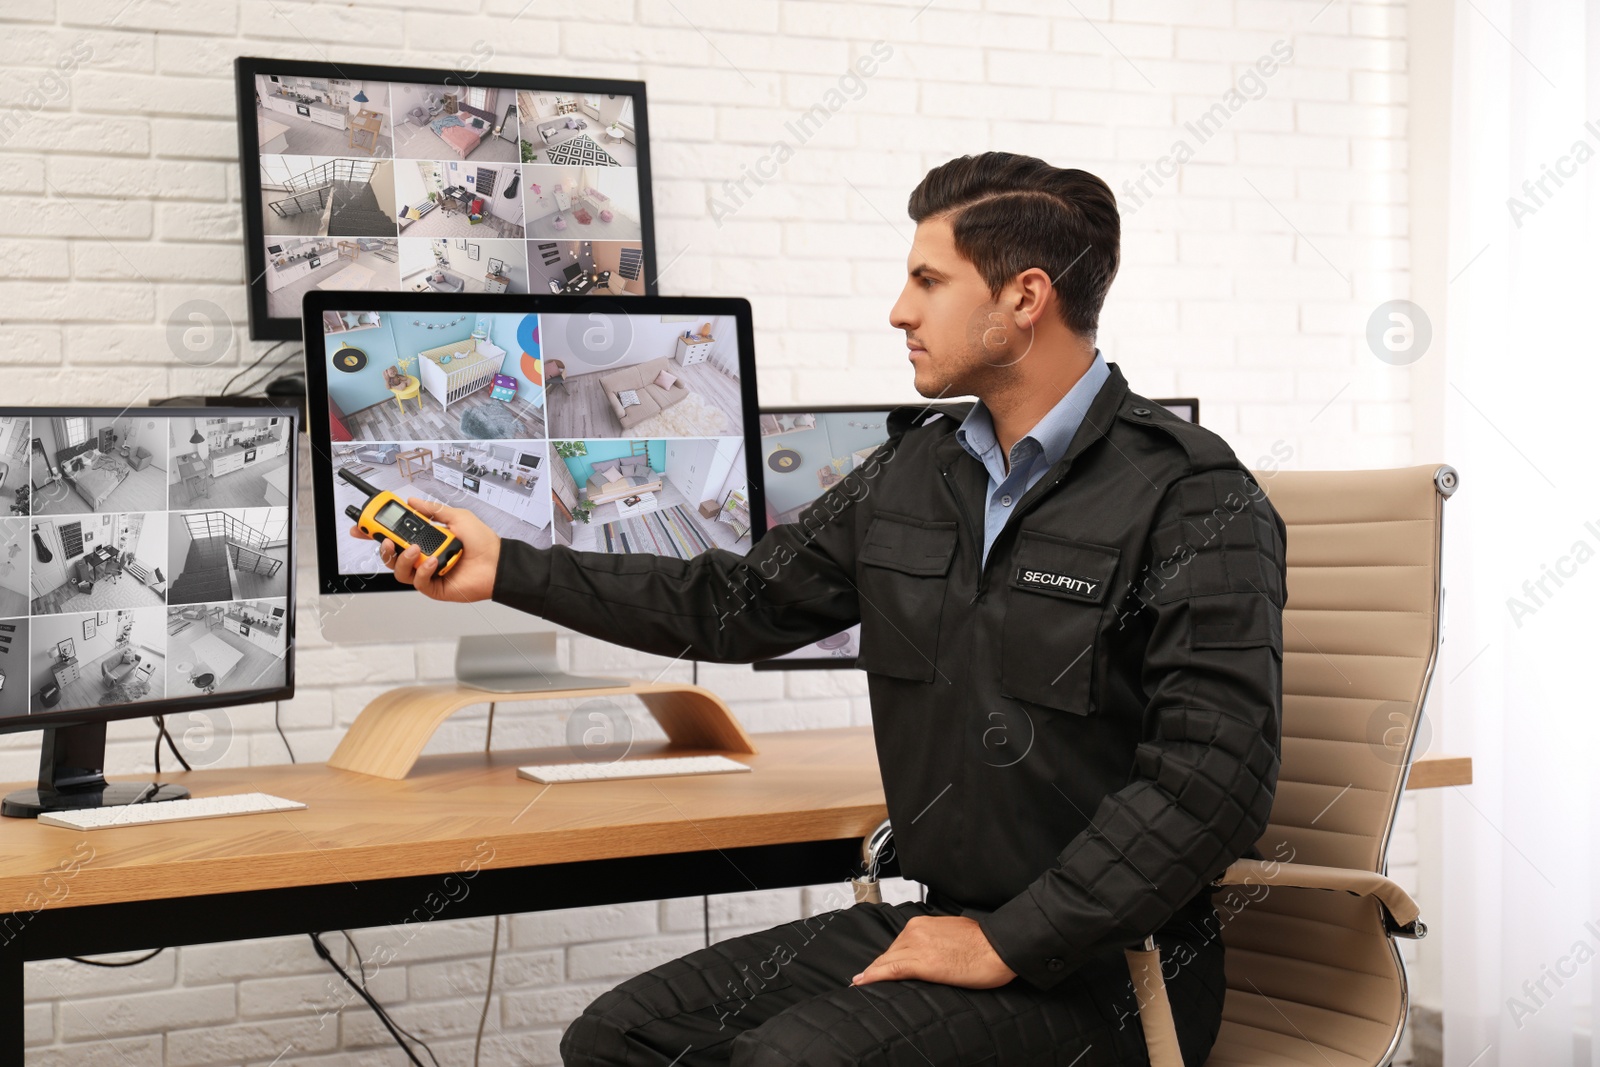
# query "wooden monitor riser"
(391, 732)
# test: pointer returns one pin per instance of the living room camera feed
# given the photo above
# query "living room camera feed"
(446, 186)
(604, 433)
(118, 532)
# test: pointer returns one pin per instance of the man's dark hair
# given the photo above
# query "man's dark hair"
(1011, 212)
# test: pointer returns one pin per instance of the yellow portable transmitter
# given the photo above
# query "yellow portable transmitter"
(385, 517)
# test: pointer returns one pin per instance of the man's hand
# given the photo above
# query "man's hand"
(948, 949)
(472, 578)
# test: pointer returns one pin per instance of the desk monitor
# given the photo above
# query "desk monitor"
(363, 177)
(599, 425)
(806, 449)
(146, 568)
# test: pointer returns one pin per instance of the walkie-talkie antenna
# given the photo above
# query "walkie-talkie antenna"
(359, 482)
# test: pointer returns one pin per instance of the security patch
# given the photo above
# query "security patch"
(1055, 582)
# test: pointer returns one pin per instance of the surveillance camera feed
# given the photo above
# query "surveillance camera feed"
(143, 556)
(603, 433)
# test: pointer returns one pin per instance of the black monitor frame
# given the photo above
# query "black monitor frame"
(330, 524)
(73, 751)
(264, 327)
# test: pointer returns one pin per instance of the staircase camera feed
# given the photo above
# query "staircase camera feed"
(369, 185)
(143, 556)
(600, 433)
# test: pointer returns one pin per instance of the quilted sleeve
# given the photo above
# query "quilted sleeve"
(797, 585)
(1202, 782)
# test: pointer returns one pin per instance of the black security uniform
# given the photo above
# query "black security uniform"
(1075, 737)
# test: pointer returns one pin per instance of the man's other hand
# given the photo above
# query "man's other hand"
(472, 578)
(948, 949)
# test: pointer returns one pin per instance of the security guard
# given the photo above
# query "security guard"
(1071, 622)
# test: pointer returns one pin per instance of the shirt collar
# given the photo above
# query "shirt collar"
(1052, 433)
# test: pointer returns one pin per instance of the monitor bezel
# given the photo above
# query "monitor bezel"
(264, 327)
(330, 524)
(170, 705)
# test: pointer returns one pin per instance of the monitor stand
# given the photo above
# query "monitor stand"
(518, 663)
(71, 777)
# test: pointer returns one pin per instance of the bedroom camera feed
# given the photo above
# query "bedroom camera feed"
(604, 433)
(118, 531)
(450, 187)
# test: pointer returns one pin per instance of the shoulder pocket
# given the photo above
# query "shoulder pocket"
(903, 564)
(1058, 592)
(1235, 620)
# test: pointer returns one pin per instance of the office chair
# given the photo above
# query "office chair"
(1313, 973)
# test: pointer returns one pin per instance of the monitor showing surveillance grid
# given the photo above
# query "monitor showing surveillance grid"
(612, 426)
(431, 181)
(145, 557)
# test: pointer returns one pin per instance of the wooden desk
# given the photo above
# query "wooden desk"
(369, 851)
(461, 836)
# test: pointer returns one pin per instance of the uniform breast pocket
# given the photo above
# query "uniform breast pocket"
(1056, 597)
(904, 562)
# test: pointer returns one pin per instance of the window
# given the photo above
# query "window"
(77, 431)
(624, 117)
(478, 97)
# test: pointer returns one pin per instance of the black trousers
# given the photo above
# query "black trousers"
(782, 998)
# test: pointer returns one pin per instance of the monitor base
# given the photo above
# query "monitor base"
(519, 663)
(31, 803)
(71, 759)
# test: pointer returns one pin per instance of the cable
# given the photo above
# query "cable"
(269, 372)
(361, 964)
(377, 1009)
(251, 367)
(125, 963)
(162, 731)
(488, 733)
(276, 707)
(488, 990)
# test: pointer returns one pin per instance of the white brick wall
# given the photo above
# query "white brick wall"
(1247, 280)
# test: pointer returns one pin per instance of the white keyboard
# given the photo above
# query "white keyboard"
(168, 811)
(633, 768)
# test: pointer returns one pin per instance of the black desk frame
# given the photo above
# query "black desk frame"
(175, 921)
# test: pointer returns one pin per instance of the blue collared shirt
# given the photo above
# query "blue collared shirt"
(1033, 454)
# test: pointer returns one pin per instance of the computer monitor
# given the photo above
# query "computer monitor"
(601, 425)
(807, 449)
(146, 568)
(359, 177)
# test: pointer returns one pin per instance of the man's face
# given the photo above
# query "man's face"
(957, 336)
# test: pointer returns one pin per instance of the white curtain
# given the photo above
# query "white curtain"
(1517, 682)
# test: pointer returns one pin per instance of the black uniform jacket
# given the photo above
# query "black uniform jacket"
(1074, 738)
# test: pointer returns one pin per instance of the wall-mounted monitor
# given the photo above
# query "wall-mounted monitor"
(376, 178)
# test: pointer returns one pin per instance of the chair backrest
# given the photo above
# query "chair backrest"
(1360, 631)
(1360, 636)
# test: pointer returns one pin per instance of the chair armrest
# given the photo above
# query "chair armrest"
(1401, 914)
